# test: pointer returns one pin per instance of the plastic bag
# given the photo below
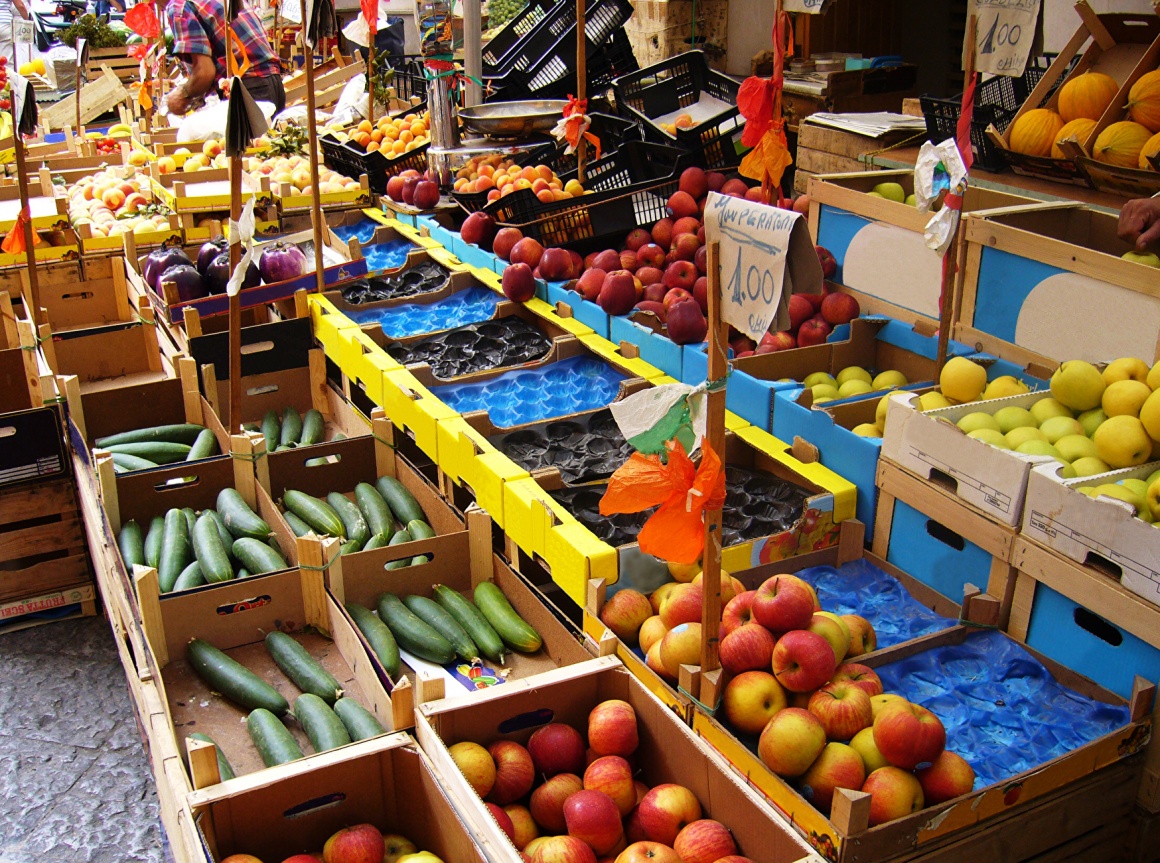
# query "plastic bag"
(354, 102)
(210, 121)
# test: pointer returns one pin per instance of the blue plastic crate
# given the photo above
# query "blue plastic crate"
(585, 312)
(657, 349)
(934, 554)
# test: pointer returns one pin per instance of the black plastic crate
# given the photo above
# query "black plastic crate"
(409, 80)
(514, 30)
(612, 60)
(351, 160)
(677, 83)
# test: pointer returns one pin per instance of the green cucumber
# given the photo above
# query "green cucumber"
(182, 433)
(210, 551)
(360, 723)
(126, 462)
(472, 620)
(243, 573)
(380, 519)
(176, 549)
(291, 428)
(190, 577)
(159, 452)
(436, 616)
(399, 499)
(226, 537)
(313, 428)
(271, 430)
(400, 537)
(239, 519)
(302, 668)
(376, 541)
(316, 513)
(378, 636)
(232, 679)
(351, 546)
(190, 519)
(225, 769)
(131, 542)
(272, 739)
(205, 446)
(352, 517)
(412, 633)
(320, 723)
(419, 529)
(257, 557)
(297, 525)
(316, 462)
(153, 541)
(512, 628)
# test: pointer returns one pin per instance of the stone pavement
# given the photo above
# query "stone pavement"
(75, 785)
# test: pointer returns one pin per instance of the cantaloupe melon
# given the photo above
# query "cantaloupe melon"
(1034, 133)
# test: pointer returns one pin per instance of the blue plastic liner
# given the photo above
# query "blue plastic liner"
(1003, 711)
(387, 256)
(471, 306)
(532, 395)
(364, 230)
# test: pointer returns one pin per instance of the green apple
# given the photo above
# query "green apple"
(1066, 472)
(1146, 258)
(1075, 446)
(1150, 416)
(1153, 497)
(1151, 479)
(1153, 379)
(1089, 465)
(853, 373)
(890, 191)
(990, 436)
(1123, 442)
(888, 380)
(820, 378)
(1058, 427)
(1124, 398)
(867, 430)
(874, 195)
(823, 399)
(853, 387)
(978, 420)
(827, 391)
(932, 401)
(1003, 386)
(911, 200)
(1092, 420)
(1126, 369)
(1012, 417)
(1045, 409)
(1022, 434)
(1137, 485)
(1078, 385)
(1119, 492)
(1039, 447)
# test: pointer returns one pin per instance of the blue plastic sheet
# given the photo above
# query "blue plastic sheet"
(471, 306)
(1003, 711)
(387, 256)
(364, 230)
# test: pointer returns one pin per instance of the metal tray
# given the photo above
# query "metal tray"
(513, 119)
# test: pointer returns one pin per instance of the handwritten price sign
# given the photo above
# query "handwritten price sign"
(1004, 36)
(810, 7)
(765, 255)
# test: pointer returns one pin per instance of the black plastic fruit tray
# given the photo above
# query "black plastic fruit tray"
(423, 278)
(351, 160)
(585, 448)
(676, 83)
(500, 343)
(515, 30)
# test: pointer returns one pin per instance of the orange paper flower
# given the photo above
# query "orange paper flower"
(14, 243)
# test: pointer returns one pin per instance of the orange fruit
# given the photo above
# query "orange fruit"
(376, 136)
(364, 126)
(373, 146)
(545, 172)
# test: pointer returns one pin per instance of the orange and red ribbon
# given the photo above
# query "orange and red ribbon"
(759, 101)
(14, 243)
(574, 127)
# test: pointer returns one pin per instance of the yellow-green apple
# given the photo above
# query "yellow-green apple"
(1150, 415)
(1126, 369)
(803, 661)
(752, 699)
(747, 648)
(815, 378)
(908, 734)
(362, 843)
(1089, 466)
(1045, 409)
(420, 857)
(962, 380)
(1055, 428)
(948, 777)
(1153, 498)
(853, 373)
(514, 772)
(1078, 385)
(1091, 420)
(625, 613)
(1019, 436)
(684, 572)
(1125, 398)
(738, 612)
(1073, 447)
(1128, 495)
(665, 811)
(396, 846)
(612, 728)
(862, 636)
(652, 630)
(547, 801)
(612, 775)
(557, 748)
(653, 660)
(838, 766)
(593, 818)
(782, 603)
(863, 744)
(1122, 441)
(523, 823)
(648, 852)
(704, 841)
(658, 597)
(988, 436)
(730, 586)
(503, 820)
(1012, 417)
(832, 628)
(791, 742)
(683, 605)
(563, 849)
(893, 794)
(978, 420)
(877, 702)
(861, 676)
(1148, 259)
(843, 709)
(475, 763)
(889, 380)
(681, 646)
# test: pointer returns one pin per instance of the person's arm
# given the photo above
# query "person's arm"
(1140, 222)
(198, 83)
(192, 45)
(21, 8)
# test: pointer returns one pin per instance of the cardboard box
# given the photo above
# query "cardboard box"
(34, 446)
(110, 356)
(88, 303)
(207, 190)
(291, 202)
(668, 752)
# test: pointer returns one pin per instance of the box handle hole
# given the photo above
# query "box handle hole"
(945, 480)
(244, 605)
(177, 483)
(531, 719)
(326, 801)
(323, 461)
(1098, 627)
(7, 431)
(258, 347)
(945, 535)
(261, 391)
(1107, 567)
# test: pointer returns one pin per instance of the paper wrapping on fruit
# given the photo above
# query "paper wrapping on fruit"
(938, 169)
(653, 417)
(243, 229)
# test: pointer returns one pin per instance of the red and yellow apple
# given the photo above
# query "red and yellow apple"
(651, 631)
(612, 775)
(862, 637)
(648, 852)
(704, 841)
(659, 596)
(843, 709)
(803, 661)
(593, 818)
(832, 628)
(738, 612)
(362, 843)
(547, 801)
(751, 699)
(893, 794)
(783, 603)
(947, 777)
(514, 772)
(791, 742)
(748, 648)
(839, 766)
(625, 613)
(681, 646)
(665, 811)
(861, 676)
(476, 764)
(908, 734)
(612, 728)
(557, 748)
(562, 849)
(877, 702)
(523, 823)
(863, 744)
(683, 605)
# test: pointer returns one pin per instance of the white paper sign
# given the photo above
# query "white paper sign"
(1004, 36)
(810, 7)
(765, 254)
(21, 31)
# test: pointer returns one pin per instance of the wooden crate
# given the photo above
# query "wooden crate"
(115, 59)
(101, 94)
(88, 303)
(42, 540)
(660, 29)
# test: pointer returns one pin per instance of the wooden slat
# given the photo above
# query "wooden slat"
(30, 541)
(47, 576)
(37, 501)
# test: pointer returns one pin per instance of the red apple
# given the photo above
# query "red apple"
(665, 811)
(503, 820)
(648, 852)
(628, 261)
(409, 184)
(704, 841)
(828, 262)
(682, 605)
(893, 794)
(636, 238)
(517, 282)
(651, 255)
(686, 323)
(734, 187)
(557, 748)
(617, 293)
(801, 204)
(862, 636)
(715, 180)
(476, 765)
(395, 188)
(779, 341)
(633, 832)
(791, 742)
(563, 849)
(782, 603)
(555, 264)
(590, 282)
(426, 195)
(505, 240)
(843, 708)
(625, 613)
(681, 274)
(686, 225)
(803, 661)
(662, 233)
(612, 775)
(362, 843)
(737, 612)
(685, 248)
(748, 648)
(751, 699)
(612, 728)
(755, 194)
(649, 275)
(800, 310)
(701, 294)
(547, 801)
(592, 817)
(608, 260)
(674, 296)
(682, 204)
(527, 251)
(838, 766)
(694, 182)
(649, 304)
(812, 332)
(861, 676)
(947, 777)
(514, 772)
(478, 230)
(908, 735)
(839, 308)
(577, 263)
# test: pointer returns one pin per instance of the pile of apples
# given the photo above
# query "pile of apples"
(821, 720)
(393, 136)
(362, 843)
(499, 177)
(295, 170)
(812, 317)
(561, 800)
(212, 155)
(112, 205)
(414, 189)
(851, 381)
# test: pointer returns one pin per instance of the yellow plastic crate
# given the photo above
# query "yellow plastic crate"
(412, 407)
(611, 352)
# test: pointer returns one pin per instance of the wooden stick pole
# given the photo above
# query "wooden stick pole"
(312, 143)
(581, 81)
(29, 235)
(235, 422)
(715, 437)
(371, 81)
(79, 86)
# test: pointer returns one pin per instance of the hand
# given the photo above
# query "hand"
(1140, 222)
(177, 102)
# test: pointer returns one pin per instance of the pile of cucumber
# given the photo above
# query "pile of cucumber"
(290, 429)
(329, 719)
(157, 445)
(380, 515)
(447, 626)
(189, 549)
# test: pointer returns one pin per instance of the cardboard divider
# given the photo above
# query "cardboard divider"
(668, 752)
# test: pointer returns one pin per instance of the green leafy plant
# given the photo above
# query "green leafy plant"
(98, 34)
(290, 139)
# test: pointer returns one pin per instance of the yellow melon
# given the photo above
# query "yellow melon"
(1144, 101)
(1033, 133)
(1120, 144)
(1079, 129)
(1151, 148)
(1086, 96)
